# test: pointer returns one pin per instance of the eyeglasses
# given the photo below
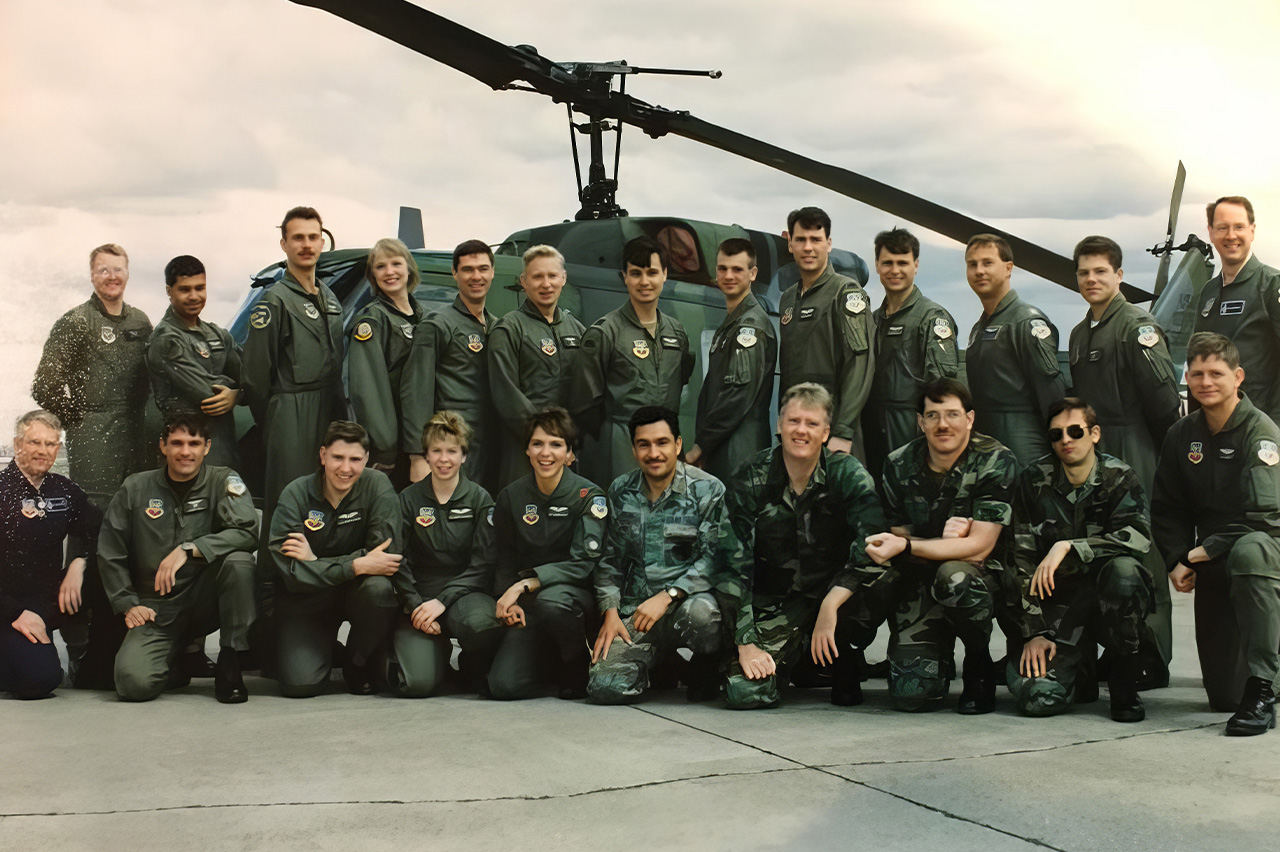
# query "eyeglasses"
(1075, 431)
(953, 417)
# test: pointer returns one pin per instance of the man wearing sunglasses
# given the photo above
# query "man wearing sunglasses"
(1216, 518)
(1080, 540)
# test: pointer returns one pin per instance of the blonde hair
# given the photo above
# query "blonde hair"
(107, 248)
(534, 252)
(391, 247)
(447, 425)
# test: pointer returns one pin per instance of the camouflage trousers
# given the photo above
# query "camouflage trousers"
(623, 676)
(1107, 604)
(784, 627)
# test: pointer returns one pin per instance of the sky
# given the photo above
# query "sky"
(188, 128)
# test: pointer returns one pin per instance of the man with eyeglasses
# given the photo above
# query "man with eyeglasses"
(1242, 303)
(948, 500)
(1080, 539)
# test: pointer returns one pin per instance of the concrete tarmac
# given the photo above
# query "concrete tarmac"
(84, 771)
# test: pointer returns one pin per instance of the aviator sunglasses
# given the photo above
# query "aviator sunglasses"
(1075, 431)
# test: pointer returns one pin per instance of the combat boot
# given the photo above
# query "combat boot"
(846, 679)
(1257, 711)
(572, 680)
(228, 682)
(704, 677)
(979, 693)
(1126, 705)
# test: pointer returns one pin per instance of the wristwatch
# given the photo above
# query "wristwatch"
(189, 547)
(677, 595)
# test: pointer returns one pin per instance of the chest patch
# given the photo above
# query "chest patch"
(474, 342)
(640, 348)
(1196, 454)
(108, 334)
(895, 330)
(1095, 355)
(29, 509)
(1227, 453)
(786, 315)
(155, 508)
(531, 514)
(426, 516)
(198, 504)
(202, 352)
(1268, 452)
(315, 520)
(311, 311)
(407, 330)
(991, 332)
(599, 507)
(746, 337)
(670, 343)
(462, 514)
(807, 313)
(1040, 329)
(548, 346)
(569, 342)
(1208, 307)
(558, 511)
(855, 303)
(349, 517)
(364, 331)
(1232, 308)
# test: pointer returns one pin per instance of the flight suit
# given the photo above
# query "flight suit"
(825, 336)
(185, 364)
(733, 406)
(1222, 492)
(1248, 312)
(1102, 590)
(449, 556)
(934, 601)
(556, 538)
(794, 549)
(913, 346)
(381, 338)
(448, 369)
(621, 368)
(1012, 367)
(531, 363)
(673, 542)
(317, 596)
(146, 520)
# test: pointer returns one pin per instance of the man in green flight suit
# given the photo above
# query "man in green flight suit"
(531, 356)
(334, 541)
(1216, 518)
(1243, 302)
(176, 555)
(93, 376)
(654, 580)
(915, 343)
(1120, 365)
(194, 364)
(948, 500)
(631, 357)
(733, 407)
(1081, 534)
(448, 366)
(1012, 359)
(826, 329)
(802, 515)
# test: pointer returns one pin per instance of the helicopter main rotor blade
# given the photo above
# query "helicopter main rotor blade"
(1175, 203)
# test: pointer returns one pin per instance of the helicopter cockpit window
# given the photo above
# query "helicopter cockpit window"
(682, 249)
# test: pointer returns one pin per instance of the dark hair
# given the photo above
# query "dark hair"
(347, 431)
(467, 247)
(1206, 343)
(737, 245)
(553, 420)
(1212, 208)
(640, 251)
(897, 241)
(939, 389)
(300, 213)
(809, 217)
(191, 422)
(1098, 245)
(1001, 244)
(1073, 403)
(647, 414)
(182, 266)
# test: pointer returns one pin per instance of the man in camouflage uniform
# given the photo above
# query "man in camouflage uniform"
(915, 343)
(531, 356)
(194, 364)
(1081, 536)
(654, 579)
(948, 500)
(802, 515)
(733, 407)
(631, 357)
(448, 366)
(1243, 302)
(1216, 517)
(1012, 359)
(826, 329)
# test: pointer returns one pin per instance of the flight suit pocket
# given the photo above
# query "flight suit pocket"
(679, 541)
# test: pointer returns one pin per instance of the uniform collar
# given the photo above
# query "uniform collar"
(906, 306)
(1244, 410)
(1116, 304)
(1251, 267)
(102, 309)
(415, 310)
(1063, 485)
(296, 286)
(532, 310)
(628, 310)
(748, 301)
(780, 481)
(461, 307)
(1010, 299)
(172, 319)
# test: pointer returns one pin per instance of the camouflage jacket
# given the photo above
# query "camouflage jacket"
(802, 544)
(673, 542)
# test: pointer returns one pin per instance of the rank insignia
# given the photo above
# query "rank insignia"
(548, 346)
(746, 337)
(260, 317)
(1147, 336)
(1208, 307)
(640, 348)
(235, 486)
(312, 311)
(941, 329)
(1197, 452)
(786, 316)
(315, 520)
(855, 303)
(474, 343)
(1040, 329)
(202, 352)
(426, 516)
(29, 509)
(364, 331)
(1268, 452)
(155, 508)
(408, 331)
(108, 336)
(531, 514)
(599, 507)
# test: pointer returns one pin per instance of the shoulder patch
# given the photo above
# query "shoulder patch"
(855, 303)
(941, 329)
(260, 316)
(746, 337)
(1147, 336)
(236, 486)
(1268, 452)
(1039, 329)
(364, 331)
(600, 506)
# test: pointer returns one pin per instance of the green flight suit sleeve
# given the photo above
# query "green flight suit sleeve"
(590, 371)
(1147, 361)
(234, 364)
(237, 523)
(508, 570)
(858, 370)
(504, 377)
(369, 381)
(418, 385)
(584, 550)
(941, 357)
(1260, 487)
(59, 382)
(688, 361)
(168, 359)
(611, 569)
(749, 366)
(1128, 533)
(114, 540)
(299, 576)
(715, 538)
(478, 576)
(1038, 352)
(1172, 521)
(865, 516)
(261, 349)
(742, 500)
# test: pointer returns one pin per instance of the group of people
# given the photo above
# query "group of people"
(896, 492)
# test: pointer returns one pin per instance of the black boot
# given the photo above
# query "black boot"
(704, 678)
(979, 693)
(846, 678)
(1257, 711)
(1126, 706)
(573, 677)
(228, 684)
